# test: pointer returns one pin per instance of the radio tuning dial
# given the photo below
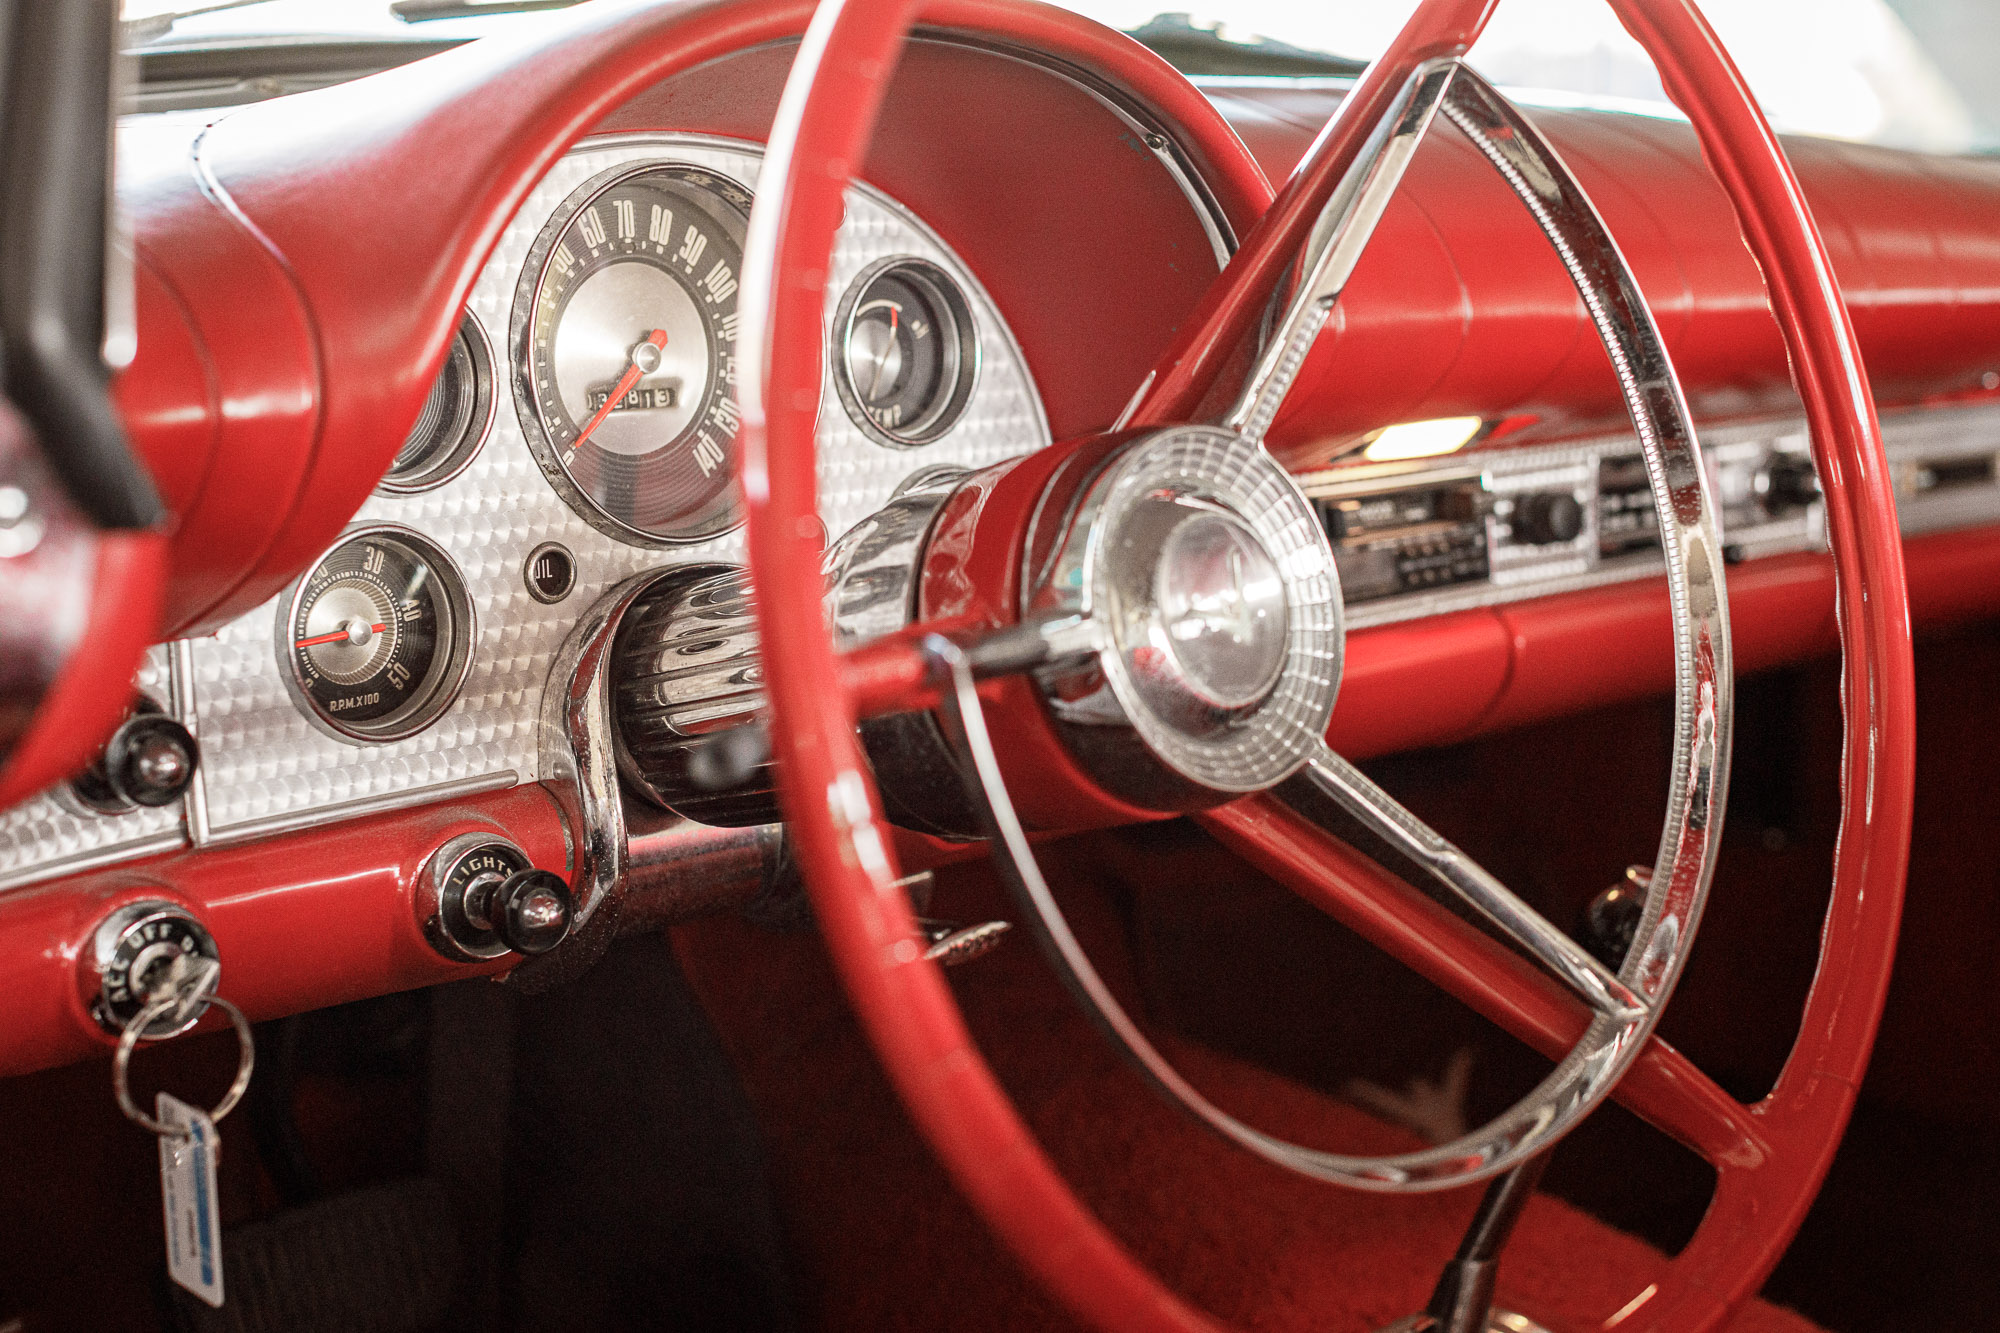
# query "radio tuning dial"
(1790, 483)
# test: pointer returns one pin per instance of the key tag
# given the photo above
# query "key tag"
(189, 1145)
(187, 1190)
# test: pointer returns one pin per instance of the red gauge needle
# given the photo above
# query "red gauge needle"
(335, 637)
(875, 385)
(626, 383)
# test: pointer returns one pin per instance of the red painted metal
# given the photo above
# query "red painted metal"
(1769, 1172)
(317, 918)
(972, 576)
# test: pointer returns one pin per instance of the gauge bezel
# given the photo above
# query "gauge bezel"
(478, 430)
(527, 296)
(965, 352)
(449, 680)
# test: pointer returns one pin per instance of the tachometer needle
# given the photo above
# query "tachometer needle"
(337, 636)
(626, 383)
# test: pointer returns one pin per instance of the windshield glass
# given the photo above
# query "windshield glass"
(1910, 73)
(1907, 73)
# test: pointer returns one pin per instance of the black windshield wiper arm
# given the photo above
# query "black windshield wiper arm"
(418, 11)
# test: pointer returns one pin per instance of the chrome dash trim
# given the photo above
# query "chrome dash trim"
(371, 805)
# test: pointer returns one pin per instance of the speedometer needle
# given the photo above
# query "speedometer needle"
(626, 383)
(337, 636)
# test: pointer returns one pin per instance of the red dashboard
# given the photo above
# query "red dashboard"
(303, 265)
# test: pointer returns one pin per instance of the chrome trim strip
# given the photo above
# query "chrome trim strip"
(294, 820)
(134, 850)
(1691, 540)
(180, 682)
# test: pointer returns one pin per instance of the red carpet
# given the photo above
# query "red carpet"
(885, 1243)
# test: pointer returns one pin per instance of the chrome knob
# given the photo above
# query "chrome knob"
(1790, 482)
(530, 910)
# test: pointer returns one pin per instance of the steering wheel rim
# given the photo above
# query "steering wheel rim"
(1771, 1156)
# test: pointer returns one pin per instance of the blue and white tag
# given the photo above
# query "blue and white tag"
(187, 1188)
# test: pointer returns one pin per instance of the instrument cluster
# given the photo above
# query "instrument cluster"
(582, 430)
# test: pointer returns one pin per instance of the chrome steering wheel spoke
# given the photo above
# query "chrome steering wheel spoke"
(1623, 1004)
(1383, 815)
(1339, 238)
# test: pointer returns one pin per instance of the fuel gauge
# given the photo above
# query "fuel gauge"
(907, 352)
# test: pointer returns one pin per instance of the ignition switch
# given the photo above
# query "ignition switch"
(132, 951)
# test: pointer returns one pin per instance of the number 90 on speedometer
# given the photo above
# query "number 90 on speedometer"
(624, 329)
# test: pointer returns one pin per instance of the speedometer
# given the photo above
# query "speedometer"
(625, 339)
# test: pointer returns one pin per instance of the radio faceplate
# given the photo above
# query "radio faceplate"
(1408, 538)
(1420, 538)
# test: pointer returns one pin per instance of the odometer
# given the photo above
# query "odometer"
(377, 636)
(625, 335)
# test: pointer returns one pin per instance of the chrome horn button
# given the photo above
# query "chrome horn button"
(1219, 608)
(1211, 580)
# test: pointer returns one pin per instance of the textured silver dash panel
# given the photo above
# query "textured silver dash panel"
(39, 838)
(263, 761)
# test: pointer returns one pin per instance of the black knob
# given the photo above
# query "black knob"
(530, 910)
(149, 761)
(1547, 516)
(1790, 482)
(1611, 920)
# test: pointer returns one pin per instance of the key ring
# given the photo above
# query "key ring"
(128, 1041)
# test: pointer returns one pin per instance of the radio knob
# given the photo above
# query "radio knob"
(1790, 482)
(1546, 517)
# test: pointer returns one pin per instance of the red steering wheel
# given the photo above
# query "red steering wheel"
(1769, 1157)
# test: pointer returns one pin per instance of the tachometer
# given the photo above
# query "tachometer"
(625, 334)
(377, 637)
